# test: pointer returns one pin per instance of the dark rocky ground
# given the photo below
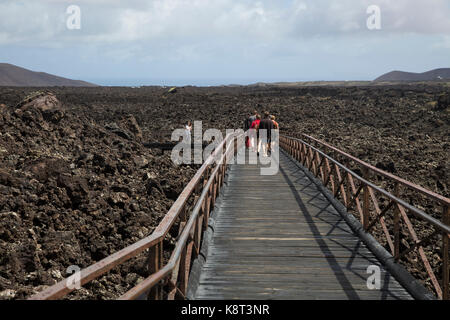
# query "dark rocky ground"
(76, 183)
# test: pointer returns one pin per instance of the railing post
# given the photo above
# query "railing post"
(196, 237)
(347, 184)
(183, 218)
(214, 192)
(206, 176)
(208, 200)
(287, 144)
(366, 203)
(396, 225)
(302, 153)
(320, 164)
(294, 149)
(445, 257)
(155, 263)
(184, 270)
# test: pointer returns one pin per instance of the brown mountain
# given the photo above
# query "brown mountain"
(433, 75)
(13, 76)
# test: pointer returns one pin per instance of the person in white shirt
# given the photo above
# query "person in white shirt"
(187, 132)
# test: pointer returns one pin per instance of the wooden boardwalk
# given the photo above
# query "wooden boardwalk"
(278, 237)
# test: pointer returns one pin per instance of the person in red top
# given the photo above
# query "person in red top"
(255, 134)
(247, 124)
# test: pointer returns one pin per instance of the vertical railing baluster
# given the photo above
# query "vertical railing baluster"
(396, 225)
(155, 264)
(205, 210)
(214, 190)
(184, 272)
(366, 201)
(445, 256)
(303, 154)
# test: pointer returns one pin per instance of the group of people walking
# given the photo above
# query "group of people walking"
(258, 140)
(262, 132)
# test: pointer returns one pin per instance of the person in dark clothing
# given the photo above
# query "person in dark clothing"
(266, 139)
(249, 120)
(247, 124)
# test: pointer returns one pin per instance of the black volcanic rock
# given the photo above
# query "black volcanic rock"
(72, 193)
(443, 101)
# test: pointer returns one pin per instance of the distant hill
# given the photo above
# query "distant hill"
(433, 75)
(13, 76)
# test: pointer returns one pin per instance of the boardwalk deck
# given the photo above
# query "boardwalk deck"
(278, 237)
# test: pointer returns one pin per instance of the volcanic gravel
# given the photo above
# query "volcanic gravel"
(76, 183)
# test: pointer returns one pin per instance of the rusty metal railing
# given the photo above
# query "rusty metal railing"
(382, 212)
(204, 187)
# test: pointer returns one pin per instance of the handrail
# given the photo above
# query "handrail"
(99, 268)
(435, 196)
(151, 281)
(417, 212)
(347, 185)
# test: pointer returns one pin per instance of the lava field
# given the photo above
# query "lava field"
(77, 183)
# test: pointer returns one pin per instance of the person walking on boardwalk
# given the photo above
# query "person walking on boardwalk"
(255, 134)
(276, 131)
(253, 117)
(247, 124)
(266, 136)
(251, 136)
(187, 132)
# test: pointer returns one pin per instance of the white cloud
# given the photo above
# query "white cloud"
(121, 21)
(193, 30)
(416, 16)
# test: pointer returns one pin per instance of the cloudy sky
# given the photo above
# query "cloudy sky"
(207, 42)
